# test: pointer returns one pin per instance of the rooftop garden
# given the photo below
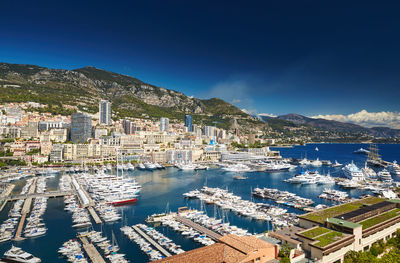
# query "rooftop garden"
(328, 238)
(379, 218)
(321, 216)
(315, 232)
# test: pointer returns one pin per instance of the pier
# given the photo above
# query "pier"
(36, 195)
(94, 215)
(151, 241)
(5, 194)
(25, 210)
(91, 251)
(198, 227)
(90, 203)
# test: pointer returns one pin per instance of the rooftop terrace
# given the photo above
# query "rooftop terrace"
(322, 215)
(379, 218)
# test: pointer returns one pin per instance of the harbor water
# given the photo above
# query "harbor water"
(162, 190)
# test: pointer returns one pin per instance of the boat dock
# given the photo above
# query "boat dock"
(94, 215)
(151, 241)
(91, 251)
(5, 194)
(46, 194)
(198, 227)
(90, 203)
(25, 210)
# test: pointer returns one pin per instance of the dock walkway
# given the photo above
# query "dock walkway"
(91, 251)
(45, 194)
(198, 227)
(5, 194)
(25, 210)
(151, 241)
(94, 215)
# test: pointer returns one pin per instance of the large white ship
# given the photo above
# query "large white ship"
(352, 172)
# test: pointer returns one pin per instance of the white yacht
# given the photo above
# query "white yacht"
(337, 164)
(16, 254)
(186, 167)
(368, 172)
(352, 172)
(305, 162)
(149, 166)
(239, 167)
(316, 163)
(361, 151)
(385, 176)
(394, 168)
(141, 166)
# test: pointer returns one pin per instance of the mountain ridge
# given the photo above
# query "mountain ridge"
(82, 88)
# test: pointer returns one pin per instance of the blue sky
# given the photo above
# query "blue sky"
(307, 57)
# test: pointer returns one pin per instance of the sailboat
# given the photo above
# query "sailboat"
(316, 149)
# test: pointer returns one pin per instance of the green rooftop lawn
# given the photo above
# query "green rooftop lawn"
(315, 232)
(328, 238)
(321, 216)
(379, 218)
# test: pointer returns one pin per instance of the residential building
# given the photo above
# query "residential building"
(81, 127)
(188, 122)
(30, 130)
(56, 154)
(100, 132)
(179, 156)
(105, 112)
(164, 124)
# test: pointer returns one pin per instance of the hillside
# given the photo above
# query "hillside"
(337, 126)
(81, 89)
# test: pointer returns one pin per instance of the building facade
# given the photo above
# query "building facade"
(81, 127)
(105, 112)
(164, 124)
(188, 122)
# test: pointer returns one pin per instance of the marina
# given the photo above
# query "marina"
(167, 185)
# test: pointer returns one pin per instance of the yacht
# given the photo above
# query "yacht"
(361, 151)
(337, 164)
(277, 167)
(385, 176)
(16, 254)
(394, 168)
(239, 167)
(149, 166)
(141, 166)
(130, 167)
(186, 167)
(304, 162)
(316, 163)
(352, 172)
(368, 172)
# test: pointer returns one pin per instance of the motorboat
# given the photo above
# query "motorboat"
(16, 254)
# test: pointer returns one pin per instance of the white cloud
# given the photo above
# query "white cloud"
(368, 119)
(268, 115)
